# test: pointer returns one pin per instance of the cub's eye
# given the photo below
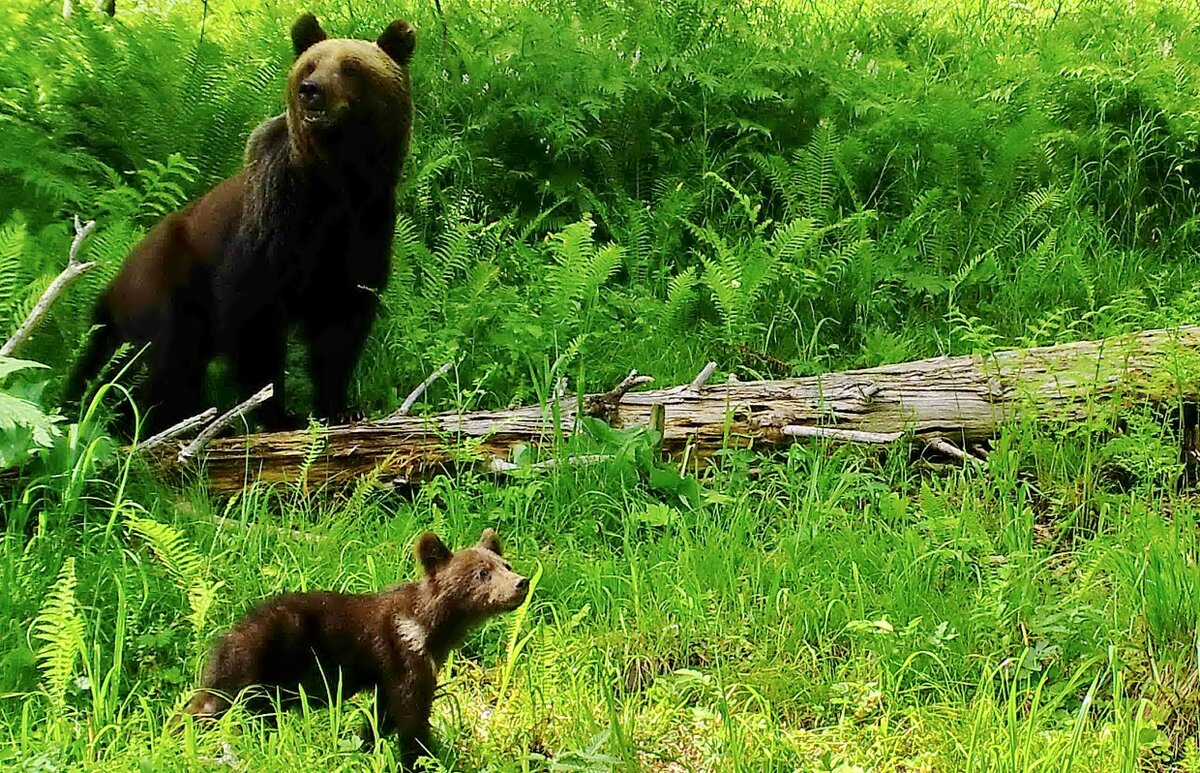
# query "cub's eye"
(482, 574)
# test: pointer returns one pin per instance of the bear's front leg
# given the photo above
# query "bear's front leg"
(336, 334)
(257, 349)
(408, 704)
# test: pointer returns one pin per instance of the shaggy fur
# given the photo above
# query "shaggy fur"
(393, 642)
(301, 236)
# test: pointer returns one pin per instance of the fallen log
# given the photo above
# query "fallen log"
(948, 403)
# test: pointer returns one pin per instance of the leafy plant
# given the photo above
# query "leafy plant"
(60, 628)
(25, 428)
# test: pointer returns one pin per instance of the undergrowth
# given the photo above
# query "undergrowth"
(600, 185)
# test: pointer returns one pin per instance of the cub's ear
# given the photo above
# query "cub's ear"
(431, 552)
(490, 541)
(306, 32)
(398, 41)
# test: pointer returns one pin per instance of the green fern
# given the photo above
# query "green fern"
(60, 628)
(815, 174)
(680, 300)
(14, 237)
(184, 565)
(580, 269)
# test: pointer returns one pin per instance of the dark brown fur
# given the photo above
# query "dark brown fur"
(393, 641)
(301, 236)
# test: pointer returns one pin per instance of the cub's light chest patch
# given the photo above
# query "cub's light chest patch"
(413, 634)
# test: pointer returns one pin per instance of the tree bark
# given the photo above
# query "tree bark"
(944, 400)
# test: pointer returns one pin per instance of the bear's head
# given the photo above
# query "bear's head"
(357, 91)
(472, 584)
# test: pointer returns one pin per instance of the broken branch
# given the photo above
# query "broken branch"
(503, 465)
(605, 406)
(702, 377)
(415, 395)
(230, 416)
(943, 446)
(73, 271)
(178, 430)
(843, 435)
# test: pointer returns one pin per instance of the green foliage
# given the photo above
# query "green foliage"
(597, 186)
(60, 628)
(24, 427)
(185, 566)
(625, 174)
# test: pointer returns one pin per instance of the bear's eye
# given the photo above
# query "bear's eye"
(482, 574)
(350, 69)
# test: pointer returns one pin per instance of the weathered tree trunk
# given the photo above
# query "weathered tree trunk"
(948, 402)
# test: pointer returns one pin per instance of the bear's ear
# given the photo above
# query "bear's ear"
(398, 41)
(306, 32)
(490, 541)
(431, 552)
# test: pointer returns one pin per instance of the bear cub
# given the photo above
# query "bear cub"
(393, 642)
(301, 236)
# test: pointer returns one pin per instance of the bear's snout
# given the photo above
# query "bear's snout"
(312, 96)
(520, 590)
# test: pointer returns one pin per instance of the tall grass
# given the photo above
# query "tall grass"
(596, 186)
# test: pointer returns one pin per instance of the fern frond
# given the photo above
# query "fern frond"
(60, 628)
(792, 241)
(13, 238)
(816, 174)
(184, 565)
(681, 296)
(170, 547)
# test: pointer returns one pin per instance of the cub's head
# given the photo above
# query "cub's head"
(474, 583)
(343, 86)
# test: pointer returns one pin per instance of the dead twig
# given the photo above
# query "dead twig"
(605, 406)
(844, 435)
(178, 431)
(503, 465)
(702, 377)
(230, 416)
(73, 271)
(442, 19)
(943, 446)
(415, 395)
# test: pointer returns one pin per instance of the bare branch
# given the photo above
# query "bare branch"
(605, 406)
(73, 271)
(178, 431)
(844, 435)
(943, 446)
(442, 19)
(230, 416)
(503, 465)
(702, 377)
(415, 395)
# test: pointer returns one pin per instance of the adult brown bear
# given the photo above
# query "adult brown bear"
(301, 236)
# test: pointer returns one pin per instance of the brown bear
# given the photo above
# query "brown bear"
(301, 236)
(393, 642)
